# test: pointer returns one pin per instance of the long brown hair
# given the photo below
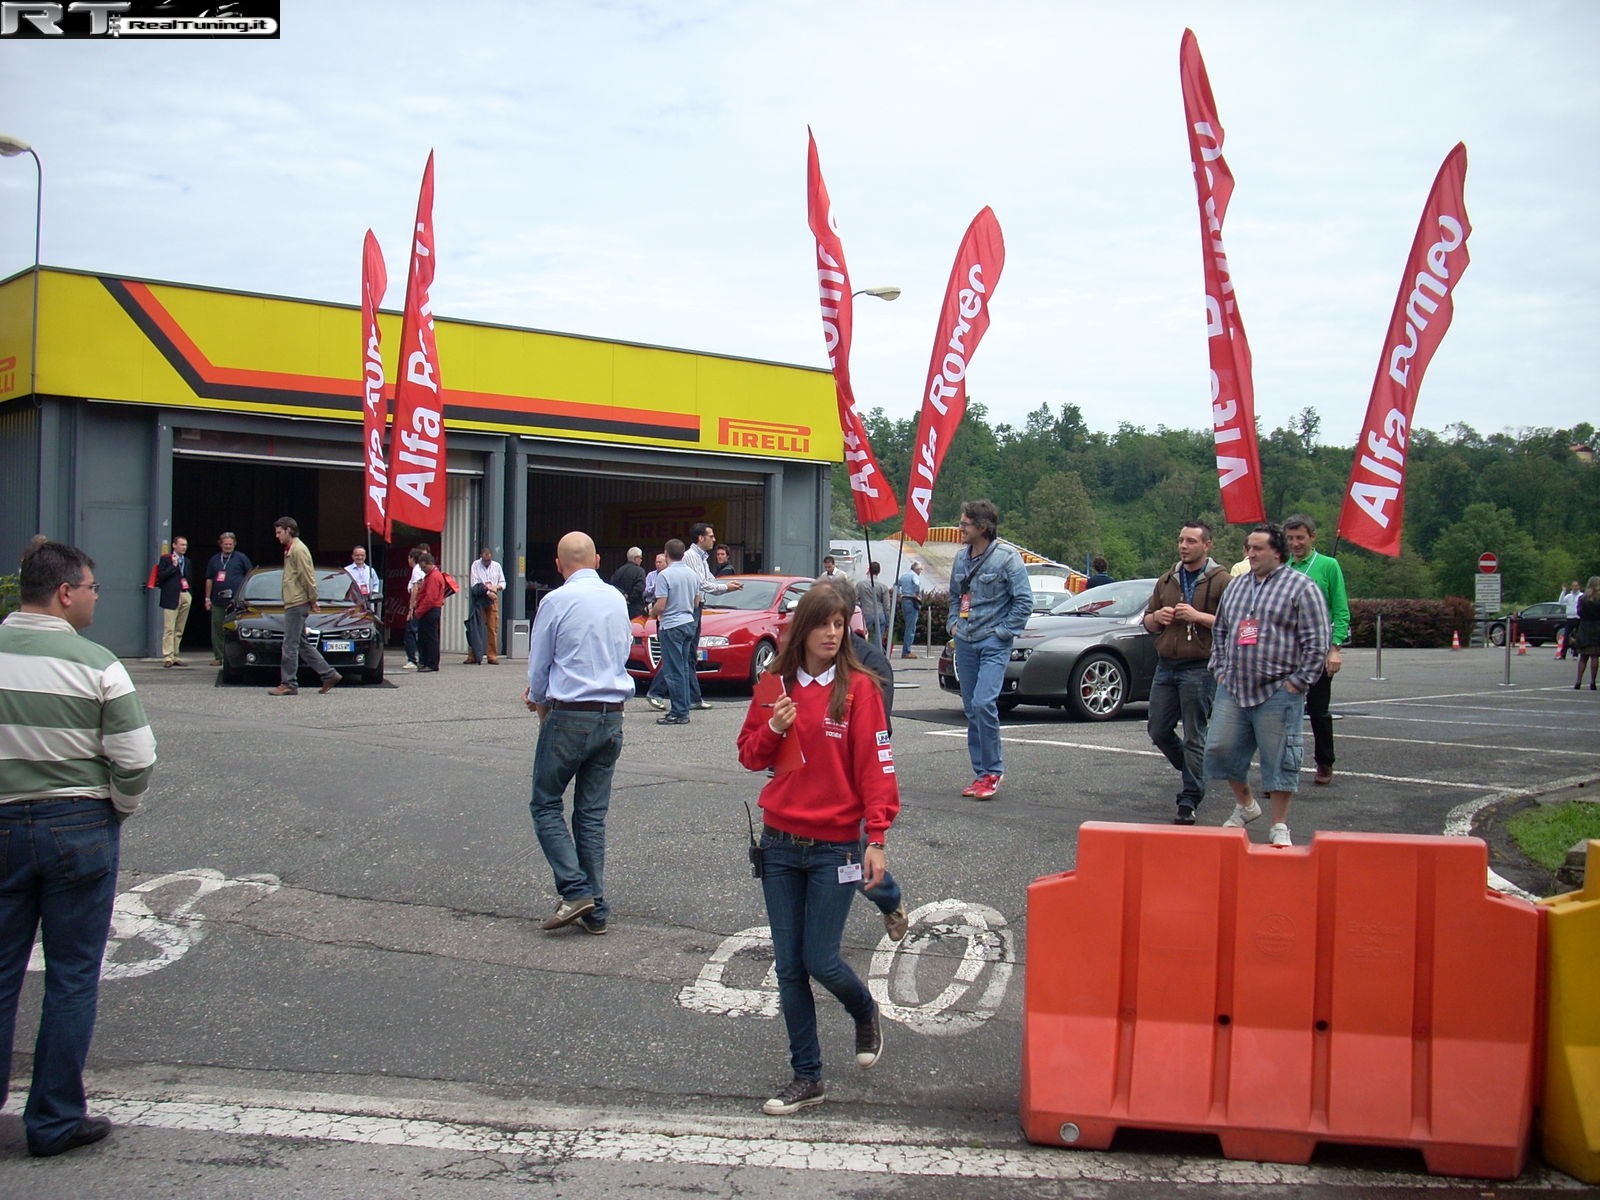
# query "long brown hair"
(822, 602)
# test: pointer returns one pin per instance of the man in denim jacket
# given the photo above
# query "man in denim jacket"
(990, 600)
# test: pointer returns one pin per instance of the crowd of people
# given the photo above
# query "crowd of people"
(1243, 659)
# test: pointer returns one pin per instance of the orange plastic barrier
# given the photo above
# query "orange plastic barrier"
(1363, 989)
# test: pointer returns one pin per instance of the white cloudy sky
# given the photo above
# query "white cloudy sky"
(637, 171)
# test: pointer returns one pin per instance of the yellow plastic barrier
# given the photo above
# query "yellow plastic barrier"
(1571, 1134)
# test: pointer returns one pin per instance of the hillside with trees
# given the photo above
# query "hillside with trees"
(1066, 491)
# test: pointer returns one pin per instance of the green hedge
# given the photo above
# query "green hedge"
(10, 601)
(1408, 624)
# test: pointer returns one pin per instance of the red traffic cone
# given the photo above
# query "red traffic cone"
(1455, 639)
(1522, 644)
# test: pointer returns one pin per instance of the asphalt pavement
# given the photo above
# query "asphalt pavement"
(327, 975)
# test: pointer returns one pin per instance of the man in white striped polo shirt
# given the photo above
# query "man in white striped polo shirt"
(76, 757)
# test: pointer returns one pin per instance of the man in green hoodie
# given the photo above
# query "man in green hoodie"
(1301, 533)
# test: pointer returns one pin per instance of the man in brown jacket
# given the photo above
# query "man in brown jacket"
(1181, 611)
(299, 601)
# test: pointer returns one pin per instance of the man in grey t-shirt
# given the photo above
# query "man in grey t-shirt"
(674, 611)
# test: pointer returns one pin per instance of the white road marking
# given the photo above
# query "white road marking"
(1441, 783)
(563, 1135)
(892, 977)
(1372, 737)
(166, 938)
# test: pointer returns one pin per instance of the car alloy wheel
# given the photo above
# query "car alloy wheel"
(1098, 688)
(761, 659)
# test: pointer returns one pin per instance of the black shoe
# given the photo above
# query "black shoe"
(801, 1093)
(1185, 815)
(669, 719)
(594, 925)
(89, 1131)
(869, 1040)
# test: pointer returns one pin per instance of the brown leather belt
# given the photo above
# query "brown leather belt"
(603, 706)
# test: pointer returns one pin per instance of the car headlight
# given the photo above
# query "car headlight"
(1020, 653)
(711, 640)
(361, 635)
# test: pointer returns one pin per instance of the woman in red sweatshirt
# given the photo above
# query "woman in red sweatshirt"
(812, 813)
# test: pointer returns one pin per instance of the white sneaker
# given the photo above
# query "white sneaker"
(1242, 816)
(1278, 835)
(410, 666)
(656, 702)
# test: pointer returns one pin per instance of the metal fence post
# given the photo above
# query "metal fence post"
(1378, 678)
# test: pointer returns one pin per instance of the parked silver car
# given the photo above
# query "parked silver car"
(1090, 655)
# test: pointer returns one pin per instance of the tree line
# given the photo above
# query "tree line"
(1068, 492)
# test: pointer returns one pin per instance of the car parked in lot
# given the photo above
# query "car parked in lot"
(1539, 623)
(348, 635)
(739, 631)
(1090, 655)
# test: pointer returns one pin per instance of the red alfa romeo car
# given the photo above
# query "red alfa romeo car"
(739, 631)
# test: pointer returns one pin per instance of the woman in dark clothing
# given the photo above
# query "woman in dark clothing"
(1588, 632)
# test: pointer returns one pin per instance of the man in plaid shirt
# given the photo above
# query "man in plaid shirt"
(1267, 649)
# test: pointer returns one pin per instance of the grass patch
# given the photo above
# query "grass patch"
(1546, 832)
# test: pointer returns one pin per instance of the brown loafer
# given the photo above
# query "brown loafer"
(1324, 775)
(283, 690)
(331, 682)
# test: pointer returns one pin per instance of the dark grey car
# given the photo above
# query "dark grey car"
(1091, 655)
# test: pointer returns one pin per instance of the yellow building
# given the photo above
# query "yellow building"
(135, 411)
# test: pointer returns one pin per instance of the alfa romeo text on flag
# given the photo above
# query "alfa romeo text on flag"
(963, 321)
(417, 447)
(1375, 499)
(374, 405)
(1233, 403)
(873, 497)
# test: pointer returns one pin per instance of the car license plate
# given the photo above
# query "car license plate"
(705, 655)
(338, 647)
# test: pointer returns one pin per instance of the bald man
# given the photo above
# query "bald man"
(577, 682)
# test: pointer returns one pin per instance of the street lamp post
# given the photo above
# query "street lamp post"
(882, 293)
(10, 147)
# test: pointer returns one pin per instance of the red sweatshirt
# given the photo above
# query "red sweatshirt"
(848, 775)
(430, 592)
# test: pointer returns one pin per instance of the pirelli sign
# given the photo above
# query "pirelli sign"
(136, 342)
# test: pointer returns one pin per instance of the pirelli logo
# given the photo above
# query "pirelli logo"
(764, 435)
(8, 374)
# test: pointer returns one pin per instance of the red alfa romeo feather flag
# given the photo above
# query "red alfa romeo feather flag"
(873, 497)
(1233, 403)
(1375, 499)
(962, 323)
(375, 407)
(417, 448)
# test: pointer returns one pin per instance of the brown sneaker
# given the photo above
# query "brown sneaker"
(283, 690)
(1324, 774)
(331, 682)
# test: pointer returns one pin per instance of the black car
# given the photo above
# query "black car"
(348, 634)
(1539, 623)
(1090, 655)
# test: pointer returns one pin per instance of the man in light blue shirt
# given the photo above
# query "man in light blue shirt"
(909, 586)
(577, 682)
(990, 601)
(677, 630)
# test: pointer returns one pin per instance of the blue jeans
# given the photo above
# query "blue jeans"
(981, 667)
(1183, 692)
(1274, 727)
(58, 870)
(411, 640)
(585, 745)
(659, 686)
(677, 665)
(807, 907)
(909, 611)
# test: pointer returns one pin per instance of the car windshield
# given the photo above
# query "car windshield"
(756, 594)
(1122, 599)
(266, 587)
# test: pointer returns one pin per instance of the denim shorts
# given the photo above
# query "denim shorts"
(1275, 727)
